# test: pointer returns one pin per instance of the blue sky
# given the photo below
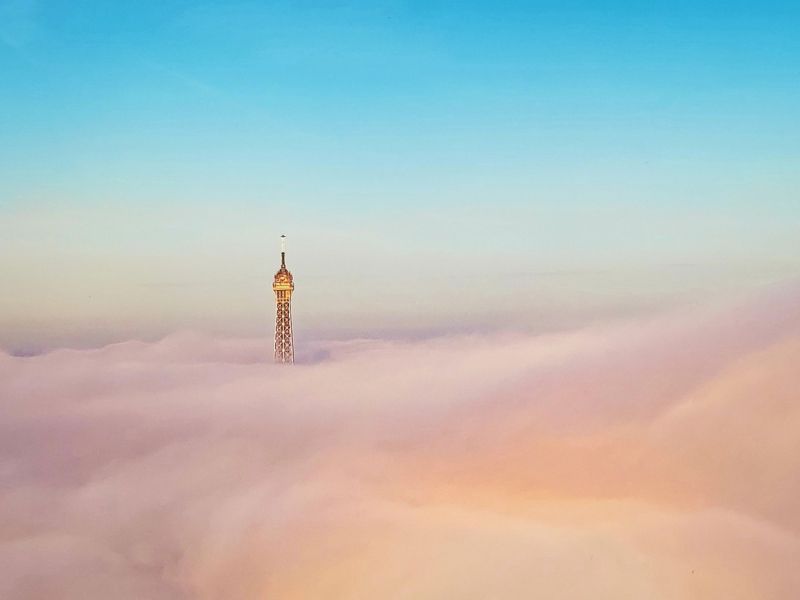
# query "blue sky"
(598, 137)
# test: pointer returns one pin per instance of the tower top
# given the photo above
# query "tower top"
(283, 285)
(283, 276)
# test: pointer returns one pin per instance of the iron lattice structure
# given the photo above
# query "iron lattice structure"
(283, 285)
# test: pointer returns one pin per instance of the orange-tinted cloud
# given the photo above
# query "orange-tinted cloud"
(655, 459)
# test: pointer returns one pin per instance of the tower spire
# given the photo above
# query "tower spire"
(283, 286)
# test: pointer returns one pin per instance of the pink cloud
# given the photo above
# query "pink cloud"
(653, 459)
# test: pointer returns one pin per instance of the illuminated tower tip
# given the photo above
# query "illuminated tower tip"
(283, 285)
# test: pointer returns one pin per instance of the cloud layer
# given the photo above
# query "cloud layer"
(653, 459)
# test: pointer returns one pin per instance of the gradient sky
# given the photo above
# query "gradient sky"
(437, 165)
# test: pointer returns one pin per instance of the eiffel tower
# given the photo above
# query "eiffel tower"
(283, 285)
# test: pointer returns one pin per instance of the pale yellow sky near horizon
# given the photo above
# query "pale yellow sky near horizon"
(100, 273)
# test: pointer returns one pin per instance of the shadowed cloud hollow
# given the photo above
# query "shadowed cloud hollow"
(655, 459)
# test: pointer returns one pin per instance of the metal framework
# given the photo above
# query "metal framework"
(283, 285)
